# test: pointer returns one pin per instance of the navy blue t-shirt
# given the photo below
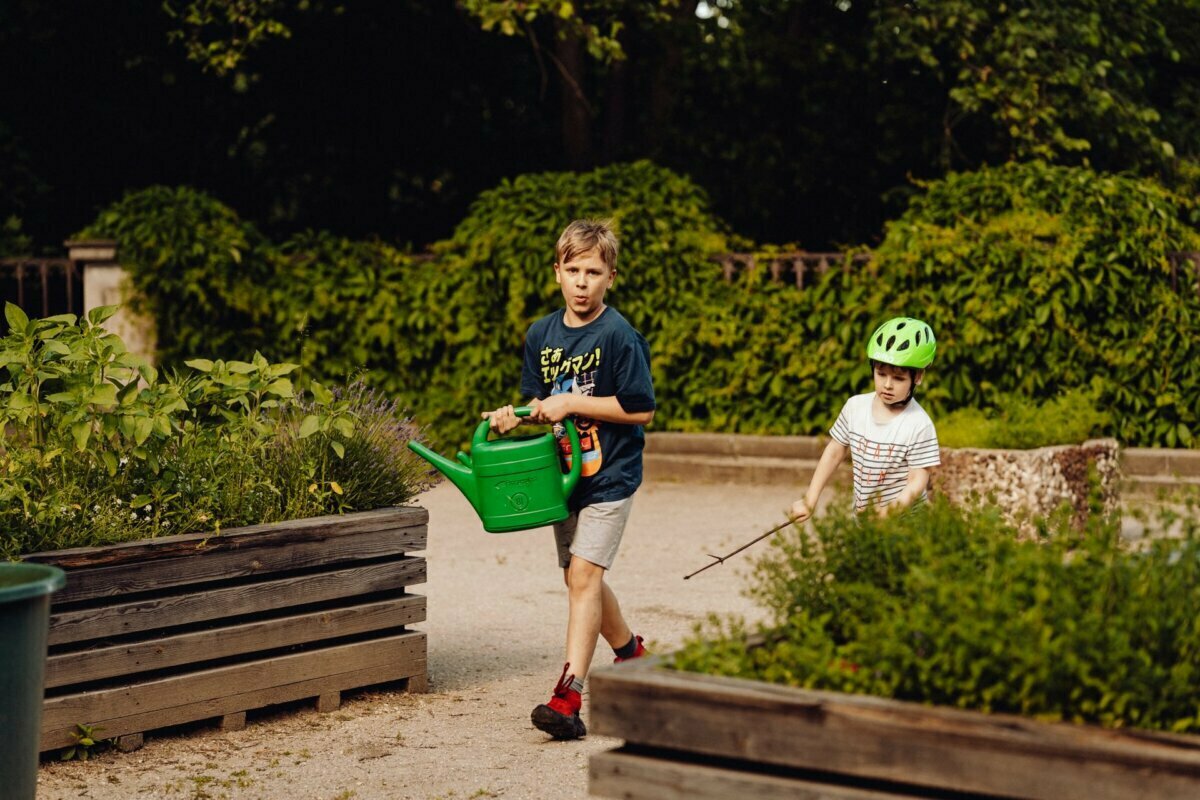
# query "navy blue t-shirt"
(605, 358)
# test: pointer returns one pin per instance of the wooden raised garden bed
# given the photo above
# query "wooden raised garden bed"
(182, 628)
(700, 736)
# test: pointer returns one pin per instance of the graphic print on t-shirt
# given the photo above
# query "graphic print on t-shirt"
(583, 384)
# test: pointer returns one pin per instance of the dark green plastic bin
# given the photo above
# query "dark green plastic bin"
(25, 591)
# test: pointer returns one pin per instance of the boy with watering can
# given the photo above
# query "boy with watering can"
(588, 363)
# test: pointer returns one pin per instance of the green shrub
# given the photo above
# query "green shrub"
(1041, 279)
(1037, 280)
(100, 448)
(950, 607)
(200, 272)
(1020, 423)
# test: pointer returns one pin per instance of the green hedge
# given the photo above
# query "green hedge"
(951, 607)
(1038, 280)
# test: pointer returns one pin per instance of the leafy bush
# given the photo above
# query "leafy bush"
(950, 607)
(13, 241)
(100, 448)
(200, 272)
(1037, 280)
(444, 335)
(1019, 423)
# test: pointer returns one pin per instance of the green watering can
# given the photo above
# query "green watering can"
(515, 483)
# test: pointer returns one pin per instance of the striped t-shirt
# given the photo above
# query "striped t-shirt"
(882, 454)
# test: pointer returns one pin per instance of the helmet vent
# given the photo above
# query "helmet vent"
(891, 341)
(918, 340)
(900, 327)
(879, 340)
(903, 345)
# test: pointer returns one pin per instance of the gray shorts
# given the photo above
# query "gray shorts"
(593, 533)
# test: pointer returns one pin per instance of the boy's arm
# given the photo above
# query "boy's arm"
(914, 487)
(558, 407)
(833, 455)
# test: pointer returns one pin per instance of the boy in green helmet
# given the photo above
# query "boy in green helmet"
(891, 439)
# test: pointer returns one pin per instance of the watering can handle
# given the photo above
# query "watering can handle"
(483, 428)
(569, 480)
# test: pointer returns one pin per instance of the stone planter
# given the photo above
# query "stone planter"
(1027, 483)
(183, 628)
(700, 736)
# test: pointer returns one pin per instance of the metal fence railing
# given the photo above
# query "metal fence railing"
(42, 287)
(799, 266)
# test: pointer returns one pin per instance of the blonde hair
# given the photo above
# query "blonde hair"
(585, 235)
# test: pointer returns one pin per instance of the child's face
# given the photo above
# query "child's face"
(893, 384)
(584, 280)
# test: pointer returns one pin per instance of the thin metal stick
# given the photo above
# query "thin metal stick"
(721, 559)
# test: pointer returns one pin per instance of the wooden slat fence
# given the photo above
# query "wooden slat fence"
(177, 629)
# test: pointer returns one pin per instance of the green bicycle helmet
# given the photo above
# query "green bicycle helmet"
(902, 342)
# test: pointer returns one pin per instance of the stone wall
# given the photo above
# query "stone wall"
(1033, 482)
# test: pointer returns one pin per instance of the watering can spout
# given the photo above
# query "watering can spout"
(459, 474)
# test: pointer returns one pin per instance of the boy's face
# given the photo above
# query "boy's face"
(893, 384)
(584, 280)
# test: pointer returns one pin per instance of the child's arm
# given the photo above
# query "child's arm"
(914, 487)
(834, 454)
(558, 407)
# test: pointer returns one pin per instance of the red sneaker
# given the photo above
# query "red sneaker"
(641, 651)
(560, 717)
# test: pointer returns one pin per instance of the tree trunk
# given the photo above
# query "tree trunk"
(664, 83)
(614, 110)
(576, 111)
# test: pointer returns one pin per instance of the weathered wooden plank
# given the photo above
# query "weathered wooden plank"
(203, 567)
(631, 776)
(178, 545)
(226, 690)
(888, 740)
(130, 659)
(183, 609)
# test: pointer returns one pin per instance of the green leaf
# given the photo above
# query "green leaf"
(281, 388)
(140, 501)
(338, 448)
(201, 364)
(81, 431)
(142, 428)
(344, 426)
(110, 462)
(103, 395)
(321, 394)
(309, 426)
(100, 314)
(18, 321)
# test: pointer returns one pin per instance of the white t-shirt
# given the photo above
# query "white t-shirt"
(883, 454)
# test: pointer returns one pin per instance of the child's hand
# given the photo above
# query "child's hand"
(503, 419)
(554, 408)
(800, 511)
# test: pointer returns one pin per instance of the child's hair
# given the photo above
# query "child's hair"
(583, 236)
(912, 371)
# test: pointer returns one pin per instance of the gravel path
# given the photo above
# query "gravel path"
(497, 621)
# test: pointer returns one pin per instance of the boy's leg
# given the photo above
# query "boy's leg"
(587, 545)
